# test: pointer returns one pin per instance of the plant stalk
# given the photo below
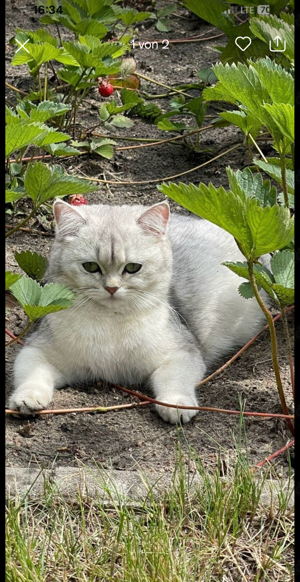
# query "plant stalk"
(13, 230)
(273, 341)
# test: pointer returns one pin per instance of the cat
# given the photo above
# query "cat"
(153, 304)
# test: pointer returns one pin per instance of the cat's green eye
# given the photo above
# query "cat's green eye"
(91, 267)
(132, 268)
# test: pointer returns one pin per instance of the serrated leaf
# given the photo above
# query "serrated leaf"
(51, 136)
(21, 135)
(252, 185)
(283, 114)
(39, 301)
(283, 268)
(277, 80)
(37, 54)
(33, 264)
(246, 290)
(226, 209)
(61, 149)
(261, 273)
(48, 109)
(273, 170)
(10, 279)
(130, 97)
(285, 296)
(247, 123)
(43, 182)
(271, 227)
(267, 28)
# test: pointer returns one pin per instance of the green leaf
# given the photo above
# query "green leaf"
(246, 290)
(213, 12)
(104, 114)
(13, 195)
(284, 117)
(10, 279)
(106, 151)
(196, 106)
(37, 54)
(267, 28)
(226, 209)
(271, 227)
(129, 17)
(285, 296)
(38, 301)
(283, 268)
(47, 110)
(130, 97)
(34, 264)
(61, 149)
(273, 169)
(247, 123)
(278, 82)
(168, 125)
(21, 135)
(163, 25)
(43, 182)
(252, 186)
(122, 121)
(262, 275)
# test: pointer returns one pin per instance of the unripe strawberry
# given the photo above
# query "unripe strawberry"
(105, 89)
(77, 200)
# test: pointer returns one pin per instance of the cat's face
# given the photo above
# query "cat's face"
(119, 257)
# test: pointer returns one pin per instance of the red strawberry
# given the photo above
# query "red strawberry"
(105, 89)
(77, 200)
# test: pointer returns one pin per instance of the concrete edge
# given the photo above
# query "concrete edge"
(111, 486)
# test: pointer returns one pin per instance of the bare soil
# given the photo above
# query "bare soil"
(137, 438)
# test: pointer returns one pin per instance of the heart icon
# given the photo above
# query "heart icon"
(239, 38)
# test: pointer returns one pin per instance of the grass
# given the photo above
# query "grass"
(217, 530)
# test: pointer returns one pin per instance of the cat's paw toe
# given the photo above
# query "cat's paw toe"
(28, 400)
(176, 415)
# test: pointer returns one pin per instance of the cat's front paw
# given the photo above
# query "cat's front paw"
(27, 399)
(175, 415)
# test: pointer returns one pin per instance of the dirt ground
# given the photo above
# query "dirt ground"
(137, 438)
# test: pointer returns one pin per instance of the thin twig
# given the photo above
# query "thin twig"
(86, 409)
(204, 408)
(165, 177)
(261, 463)
(243, 349)
(10, 334)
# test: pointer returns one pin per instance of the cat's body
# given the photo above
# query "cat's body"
(122, 326)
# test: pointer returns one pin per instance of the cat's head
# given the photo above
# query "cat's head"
(118, 256)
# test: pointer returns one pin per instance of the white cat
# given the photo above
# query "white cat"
(133, 270)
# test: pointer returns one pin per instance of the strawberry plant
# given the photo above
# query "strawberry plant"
(264, 94)
(260, 29)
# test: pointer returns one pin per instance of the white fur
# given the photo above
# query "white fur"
(135, 335)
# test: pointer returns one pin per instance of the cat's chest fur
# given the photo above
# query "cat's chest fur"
(118, 348)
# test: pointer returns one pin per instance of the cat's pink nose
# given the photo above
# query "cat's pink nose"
(111, 290)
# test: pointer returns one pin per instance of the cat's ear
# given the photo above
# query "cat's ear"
(155, 219)
(68, 219)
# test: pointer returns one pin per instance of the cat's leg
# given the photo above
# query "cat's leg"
(174, 382)
(35, 380)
